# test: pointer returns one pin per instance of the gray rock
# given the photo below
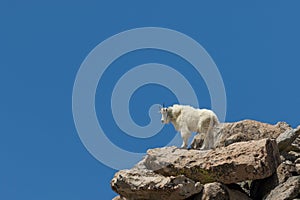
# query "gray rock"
(140, 183)
(235, 163)
(295, 146)
(285, 139)
(286, 191)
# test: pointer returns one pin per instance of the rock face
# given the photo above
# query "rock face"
(140, 183)
(253, 160)
(247, 154)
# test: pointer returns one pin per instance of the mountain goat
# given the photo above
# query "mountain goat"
(187, 119)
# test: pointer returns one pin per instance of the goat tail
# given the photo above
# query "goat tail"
(215, 121)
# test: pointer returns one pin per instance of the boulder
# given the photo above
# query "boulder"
(250, 130)
(260, 188)
(235, 163)
(287, 190)
(246, 130)
(140, 183)
(285, 139)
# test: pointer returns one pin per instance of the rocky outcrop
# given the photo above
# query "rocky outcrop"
(141, 183)
(255, 161)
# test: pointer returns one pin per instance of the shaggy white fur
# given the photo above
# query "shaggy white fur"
(187, 119)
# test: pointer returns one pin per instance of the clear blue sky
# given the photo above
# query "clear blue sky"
(42, 45)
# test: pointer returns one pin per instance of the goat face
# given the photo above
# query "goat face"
(164, 116)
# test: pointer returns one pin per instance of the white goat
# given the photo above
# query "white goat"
(187, 119)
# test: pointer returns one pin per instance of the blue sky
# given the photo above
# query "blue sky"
(42, 45)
